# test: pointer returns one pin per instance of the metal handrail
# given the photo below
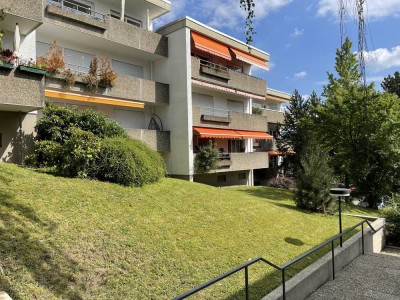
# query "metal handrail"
(283, 267)
(209, 64)
(75, 9)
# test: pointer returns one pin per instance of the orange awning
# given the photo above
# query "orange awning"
(260, 135)
(218, 133)
(250, 59)
(205, 132)
(209, 45)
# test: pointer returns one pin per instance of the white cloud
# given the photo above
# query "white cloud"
(383, 58)
(300, 75)
(375, 9)
(228, 14)
(178, 8)
(297, 32)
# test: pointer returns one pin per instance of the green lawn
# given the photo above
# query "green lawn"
(81, 239)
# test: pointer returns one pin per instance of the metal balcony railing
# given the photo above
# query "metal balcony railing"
(77, 9)
(211, 65)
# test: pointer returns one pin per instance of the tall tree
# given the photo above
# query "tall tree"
(391, 84)
(357, 125)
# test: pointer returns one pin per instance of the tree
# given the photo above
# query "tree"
(391, 84)
(360, 128)
(297, 127)
(313, 179)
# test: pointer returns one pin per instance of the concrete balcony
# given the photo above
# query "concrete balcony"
(27, 13)
(242, 161)
(20, 91)
(156, 140)
(126, 87)
(233, 120)
(228, 78)
(273, 116)
(91, 27)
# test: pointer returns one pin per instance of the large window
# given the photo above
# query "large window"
(77, 61)
(237, 106)
(77, 6)
(117, 15)
(236, 146)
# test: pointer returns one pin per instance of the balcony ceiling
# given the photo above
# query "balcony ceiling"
(26, 26)
(156, 7)
(49, 32)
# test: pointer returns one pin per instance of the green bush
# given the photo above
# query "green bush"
(314, 180)
(128, 162)
(206, 158)
(392, 216)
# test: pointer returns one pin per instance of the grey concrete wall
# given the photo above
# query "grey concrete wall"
(21, 91)
(16, 144)
(29, 9)
(157, 140)
(238, 121)
(273, 116)
(310, 279)
(110, 29)
(237, 80)
(232, 178)
(126, 87)
(242, 161)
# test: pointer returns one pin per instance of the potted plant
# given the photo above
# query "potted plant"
(7, 59)
(107, 75)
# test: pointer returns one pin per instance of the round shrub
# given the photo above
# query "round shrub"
(128, 162)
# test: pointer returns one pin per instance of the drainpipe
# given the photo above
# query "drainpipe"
(148, 21)
(21, 150)
(122, 10)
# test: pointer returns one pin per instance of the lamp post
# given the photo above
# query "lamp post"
(339, 192)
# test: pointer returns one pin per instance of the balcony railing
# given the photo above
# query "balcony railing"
(215, 112)
(216, 67)
(77, 9)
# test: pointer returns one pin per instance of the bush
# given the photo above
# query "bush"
(128, 162)
(392, 216)
(282, 182)
(314, 180)
(207, 158)
(256, 111)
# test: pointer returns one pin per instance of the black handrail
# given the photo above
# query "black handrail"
(282, 268)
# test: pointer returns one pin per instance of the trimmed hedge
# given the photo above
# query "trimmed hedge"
(127, 162)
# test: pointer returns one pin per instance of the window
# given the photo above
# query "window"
(129, 118)
(77, 6)
(242, 176)
(127, 69)
(203, 100)
(77, 61)
(117, 15)
(235, 146)
(236, 106)
(221, 178)
(273, 161)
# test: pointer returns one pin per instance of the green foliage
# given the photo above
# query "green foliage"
(314, 179)
(296, 129)
(256, 111)
(391, 84)
(206, 158)
(128, 162)
(360, 127)
(392, 216)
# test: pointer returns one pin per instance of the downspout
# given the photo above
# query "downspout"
(122, 10)
(21, 137)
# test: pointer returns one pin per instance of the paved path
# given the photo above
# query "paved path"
(375, 276)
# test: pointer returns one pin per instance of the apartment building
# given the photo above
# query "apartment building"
(176, 88)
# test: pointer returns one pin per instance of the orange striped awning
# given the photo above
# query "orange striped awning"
(206, 132)
(250, 59)
(209, 45)
(260, 135)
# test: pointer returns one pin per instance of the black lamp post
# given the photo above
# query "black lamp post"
(339, 192)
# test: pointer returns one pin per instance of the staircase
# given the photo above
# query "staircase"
(371, 276)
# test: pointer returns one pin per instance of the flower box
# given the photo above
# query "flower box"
(6, 65)
(32, 70)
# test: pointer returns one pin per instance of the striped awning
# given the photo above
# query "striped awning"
(250, 59)
(211, 46)
(218, 133)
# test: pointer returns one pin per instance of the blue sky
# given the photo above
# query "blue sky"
(302, 36)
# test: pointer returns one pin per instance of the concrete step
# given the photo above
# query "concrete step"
(374, 276)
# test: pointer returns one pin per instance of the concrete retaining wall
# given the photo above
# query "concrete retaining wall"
(310, 279)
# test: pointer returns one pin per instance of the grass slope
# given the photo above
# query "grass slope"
(78, 239)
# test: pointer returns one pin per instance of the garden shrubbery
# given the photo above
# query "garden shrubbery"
(392, 216)
(87, 144)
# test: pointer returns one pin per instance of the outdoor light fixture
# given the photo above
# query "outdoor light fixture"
(339, 192)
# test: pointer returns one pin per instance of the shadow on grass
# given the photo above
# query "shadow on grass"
(268, 193)
(22, 251)
(294, 241)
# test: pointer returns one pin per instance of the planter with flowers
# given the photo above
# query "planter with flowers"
(31, 66)
(7, 59)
